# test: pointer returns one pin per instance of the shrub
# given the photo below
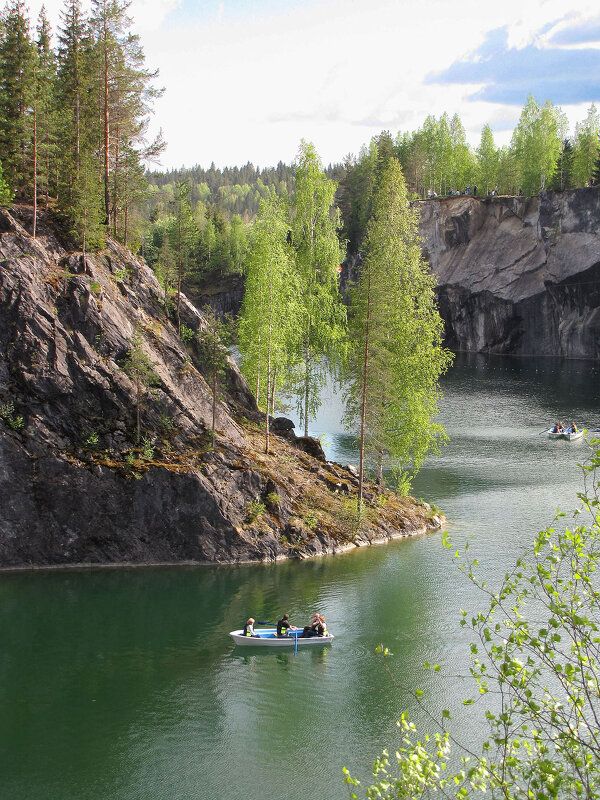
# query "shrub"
(7, 413)
(254, 510)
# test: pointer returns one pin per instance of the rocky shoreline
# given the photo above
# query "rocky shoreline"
(76, 485)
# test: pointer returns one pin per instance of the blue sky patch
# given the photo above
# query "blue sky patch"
(509, 75)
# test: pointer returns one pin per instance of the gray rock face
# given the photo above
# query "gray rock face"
(518, 275)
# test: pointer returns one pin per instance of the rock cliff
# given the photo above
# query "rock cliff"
(518, 275)
(77, 486)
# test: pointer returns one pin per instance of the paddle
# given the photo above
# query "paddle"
(544, 431)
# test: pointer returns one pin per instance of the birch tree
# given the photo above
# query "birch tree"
(585, 150)
(314, 224)
(396, 339)
(488, 160)
(537, 144)
(268, 329)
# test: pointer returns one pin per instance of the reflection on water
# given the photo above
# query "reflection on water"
(124, 684)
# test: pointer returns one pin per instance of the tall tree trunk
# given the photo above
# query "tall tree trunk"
(137, 403)
(380, 469)
(306, 378)
(77, 134)
(115, 200)
(35, 154)
(126, 203)
(364, 401)
(273, 381)
(214, 388)
(258, 371)
(85, 204)
(106, 129)
(268, 380)
(179, 274)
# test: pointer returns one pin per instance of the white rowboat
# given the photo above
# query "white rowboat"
(565, 435)
(267, 637)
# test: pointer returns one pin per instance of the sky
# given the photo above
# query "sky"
(246, 80)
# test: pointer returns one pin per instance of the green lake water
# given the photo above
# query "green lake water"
(124, 683)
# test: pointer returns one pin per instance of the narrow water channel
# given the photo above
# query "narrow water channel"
(124, 684)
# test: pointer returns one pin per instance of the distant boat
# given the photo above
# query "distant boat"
(567, 434)
(267, 637)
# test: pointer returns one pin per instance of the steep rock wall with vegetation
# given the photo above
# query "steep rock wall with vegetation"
(77, 484)
(518, 275)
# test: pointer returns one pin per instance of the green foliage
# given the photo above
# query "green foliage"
(268, 327)
(148, 447)
(317, 254)
(310, 521)
(585, 147)
(181, 233)
(396, 354)
(138, 366)
(536, 658)
(68, 115)
(254, 511)
(6, 195)
(537, 144)
(17, 57)
(91, 438)
(7, 413)
(235, 191)
(273, 502)
(488, 161)
(187, 334)
(167, 424)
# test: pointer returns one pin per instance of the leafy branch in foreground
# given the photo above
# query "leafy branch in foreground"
(536, 655)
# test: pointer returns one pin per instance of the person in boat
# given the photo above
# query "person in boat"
(249, 628)
(322, 631)
(573, 428)
(313, 628)
(283, 626)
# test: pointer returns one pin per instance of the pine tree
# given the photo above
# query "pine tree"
(16, 88)
(78, 125)
(563, 177)
(315, 223)
(396, 353)
(43, 137)
(596, 173)
(125, 93)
